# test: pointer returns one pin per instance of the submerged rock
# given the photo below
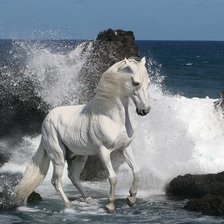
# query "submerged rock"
(205, 191)
(208, 205)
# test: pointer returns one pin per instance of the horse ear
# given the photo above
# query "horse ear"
(143, 61)
(125, 68)
(126, 61)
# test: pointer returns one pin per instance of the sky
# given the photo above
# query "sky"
(84, 19)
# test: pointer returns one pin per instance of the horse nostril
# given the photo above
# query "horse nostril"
(144, 112)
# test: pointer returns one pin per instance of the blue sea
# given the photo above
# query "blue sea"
(183, 133)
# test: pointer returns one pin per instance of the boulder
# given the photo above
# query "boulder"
(196, 186)
(206, 192)
(109, 47)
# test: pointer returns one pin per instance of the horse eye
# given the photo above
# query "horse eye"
(135, 84)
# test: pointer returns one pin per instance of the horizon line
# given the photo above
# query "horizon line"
(69, 39)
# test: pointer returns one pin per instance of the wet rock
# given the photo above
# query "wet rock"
(34, 197)
(208, 205)
(109, 47)
(219, 104)
(205, 191)
(22, 110)
(94, 169)
(4, 154)
(8, 181)
(196, 186)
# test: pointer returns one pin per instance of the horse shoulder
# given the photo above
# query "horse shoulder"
(109, 131)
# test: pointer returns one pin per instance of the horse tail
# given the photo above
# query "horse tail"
(35, 173)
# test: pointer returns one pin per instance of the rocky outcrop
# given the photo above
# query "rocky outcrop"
(205, 191)
(109, 47)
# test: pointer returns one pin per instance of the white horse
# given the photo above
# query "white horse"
(100, 127)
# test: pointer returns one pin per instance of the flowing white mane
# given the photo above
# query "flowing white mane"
(113, 80)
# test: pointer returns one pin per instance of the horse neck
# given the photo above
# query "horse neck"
(110, 105)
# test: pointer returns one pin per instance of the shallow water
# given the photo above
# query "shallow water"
(154, 208)
(182, 134)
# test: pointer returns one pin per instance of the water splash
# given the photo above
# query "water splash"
(55, 73)
(180, 135)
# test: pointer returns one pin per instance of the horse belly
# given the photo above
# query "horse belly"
(80, 147)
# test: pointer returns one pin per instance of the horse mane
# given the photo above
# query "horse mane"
(110, 86)
(111, 81)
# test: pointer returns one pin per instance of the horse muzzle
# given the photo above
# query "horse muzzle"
(142, 112)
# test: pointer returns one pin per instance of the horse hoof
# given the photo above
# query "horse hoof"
(89, 200)
(110, 208)
(131, 200)
(69, 205)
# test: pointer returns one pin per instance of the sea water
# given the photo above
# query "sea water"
(183, 133)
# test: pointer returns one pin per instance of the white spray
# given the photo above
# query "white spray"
(180, 135)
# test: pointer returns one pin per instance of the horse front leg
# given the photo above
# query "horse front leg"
(104, 155)
(129, 158)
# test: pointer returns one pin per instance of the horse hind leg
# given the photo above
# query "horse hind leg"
(56, 152)
(57, 183)
(75, 168)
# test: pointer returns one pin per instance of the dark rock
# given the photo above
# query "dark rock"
(22, 110)
(7, 183)
(34, 196)
(109, 47)
(208, 205)
(94, 169)
(196, 186)
(8, 200)
(219, 104)
(4, 154)
(206, 192)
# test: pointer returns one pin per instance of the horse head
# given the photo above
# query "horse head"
(137, 83)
